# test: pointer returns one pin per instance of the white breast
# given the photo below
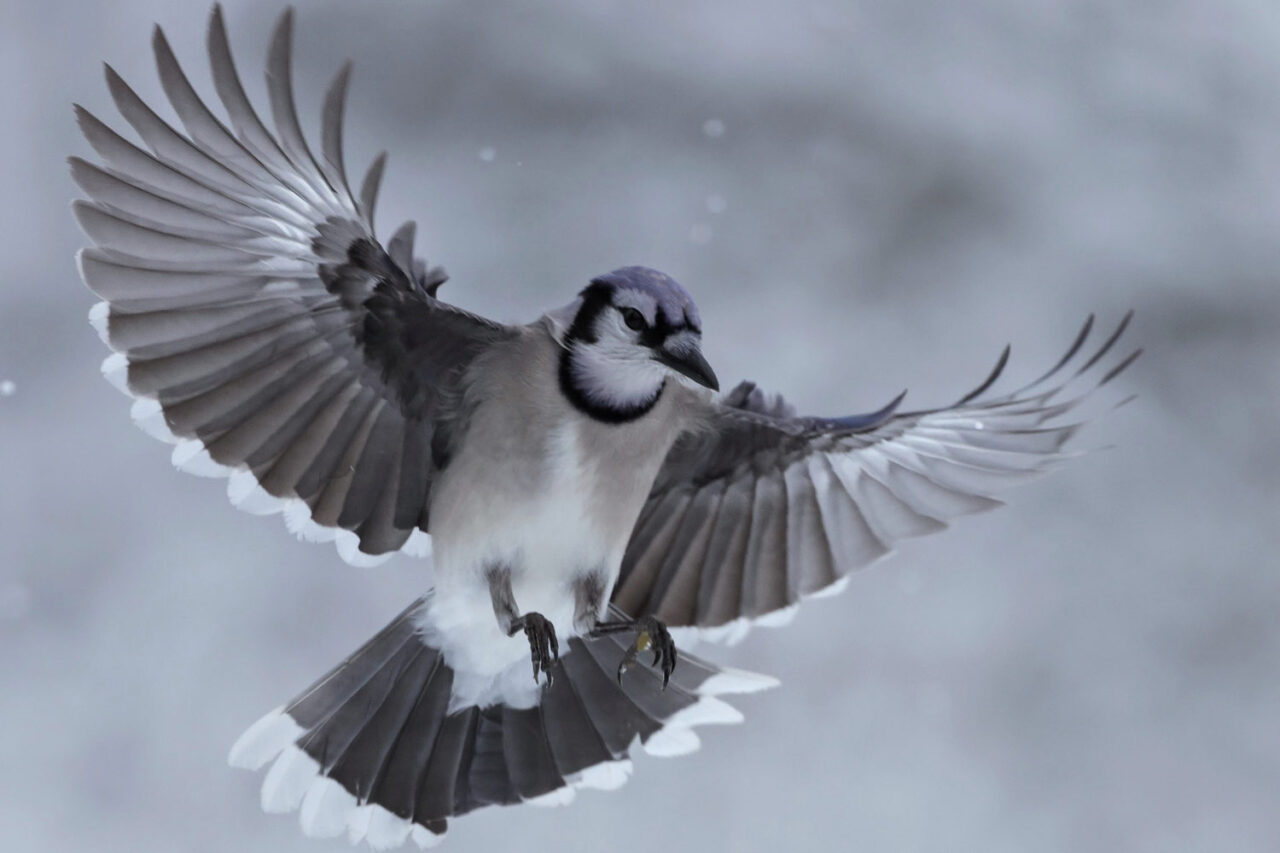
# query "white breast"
(542, 490)
(542, 527)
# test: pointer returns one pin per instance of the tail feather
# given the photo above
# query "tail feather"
(402, 778)
(575, 742)
(530, 761)
(365, 758)
(442, 781)
(335, 688)
(488, 778)
(613, 716)
(372, 748)
(331, 741)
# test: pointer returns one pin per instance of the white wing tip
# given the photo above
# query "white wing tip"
(349, 550)
(191, 457)
(264, 740)
(383, 829)
(730, 680)
(425, 838)
(287, 781)
(607, 776)
(149, 417)
(245, 493)
(115, 369)
(297, 517)
(780, 618)
(99, 318)
(551, 799)
(417, 545)
(326, 809)
(671, 741)
(829, 591)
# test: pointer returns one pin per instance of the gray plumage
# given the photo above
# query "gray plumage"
(380, 725)
(253, 302)
(749, 516)
(575, 474)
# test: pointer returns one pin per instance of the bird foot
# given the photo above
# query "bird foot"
(544, 649)
(651, 634)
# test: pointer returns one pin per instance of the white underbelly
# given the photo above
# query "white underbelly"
(546, 538)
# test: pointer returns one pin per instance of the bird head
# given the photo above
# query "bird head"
(630, 331)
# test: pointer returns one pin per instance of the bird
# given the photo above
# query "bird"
(587, 497)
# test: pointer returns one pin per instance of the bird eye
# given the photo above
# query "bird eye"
(633, 318)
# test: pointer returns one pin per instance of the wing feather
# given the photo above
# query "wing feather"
(263, 328)
(285, 113)
(763, 590)
(675, 595)
(809, 564)
(720, 586)
(764, 507)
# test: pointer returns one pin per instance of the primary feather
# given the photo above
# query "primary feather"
(249, 297)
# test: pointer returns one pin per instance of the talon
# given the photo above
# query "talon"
(544, 648)
(627, 659)
(651, 635)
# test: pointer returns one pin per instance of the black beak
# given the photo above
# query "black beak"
(688, 361)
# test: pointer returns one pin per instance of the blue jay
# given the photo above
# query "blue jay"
(583, 492)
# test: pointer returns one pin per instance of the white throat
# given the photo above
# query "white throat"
(615, 376)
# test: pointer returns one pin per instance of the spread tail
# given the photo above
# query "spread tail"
(372, 749)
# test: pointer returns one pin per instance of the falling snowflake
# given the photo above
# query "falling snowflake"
(713, 127)
(7, 388)
(716, 203)
(488, 154)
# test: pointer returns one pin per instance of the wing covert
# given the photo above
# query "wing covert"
(254, 315)
(765, 507)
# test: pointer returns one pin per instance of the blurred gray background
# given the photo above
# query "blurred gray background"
(862, 196)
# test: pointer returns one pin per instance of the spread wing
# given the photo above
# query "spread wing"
(764, 508)
(259, 323)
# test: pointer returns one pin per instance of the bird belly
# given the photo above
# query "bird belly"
(543, 529)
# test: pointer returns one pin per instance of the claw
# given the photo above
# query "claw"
(652, 635)
(627, 659)
(544, 648)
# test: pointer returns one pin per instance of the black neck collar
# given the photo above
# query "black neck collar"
(596, 298)
(594, 409)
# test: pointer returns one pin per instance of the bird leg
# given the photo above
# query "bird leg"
(651, 633)
(544, 649)
(591, 592)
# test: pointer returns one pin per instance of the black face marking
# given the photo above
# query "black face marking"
(692, 322)
(596, 299)
(595, 410)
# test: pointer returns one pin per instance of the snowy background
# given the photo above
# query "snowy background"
(862, 196)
